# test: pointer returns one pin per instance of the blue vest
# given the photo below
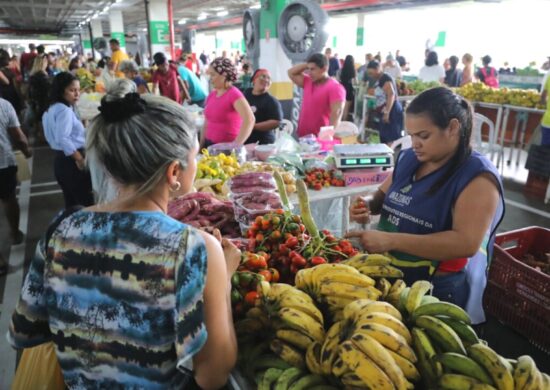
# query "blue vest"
(409, 207)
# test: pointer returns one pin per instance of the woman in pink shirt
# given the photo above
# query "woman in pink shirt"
(227, 114)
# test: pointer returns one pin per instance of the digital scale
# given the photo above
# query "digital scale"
(363, 156)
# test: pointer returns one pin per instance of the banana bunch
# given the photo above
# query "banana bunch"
(292, 378)
(295, 320)
(369, 347)
(336, 285)
(374, 265)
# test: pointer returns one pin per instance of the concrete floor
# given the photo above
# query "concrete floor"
(41, 199)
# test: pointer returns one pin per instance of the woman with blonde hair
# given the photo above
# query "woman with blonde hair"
(468, 71)
(39, 87)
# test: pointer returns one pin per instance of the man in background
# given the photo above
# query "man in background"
(117, 56)
(26, 60)
(333, 63)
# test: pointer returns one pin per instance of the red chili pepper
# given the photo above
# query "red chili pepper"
(298, 261)
(291, 242)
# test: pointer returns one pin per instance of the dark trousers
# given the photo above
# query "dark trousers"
(75, 184)
(452, 288)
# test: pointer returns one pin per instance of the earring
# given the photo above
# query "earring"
(176, 187)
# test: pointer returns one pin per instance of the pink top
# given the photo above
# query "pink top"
(316, 102)
(223, 122)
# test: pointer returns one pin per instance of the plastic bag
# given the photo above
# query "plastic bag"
(258, 203)
(287, 144)
(228, 148)
(39, 369)
(251, 182)
(291, 162)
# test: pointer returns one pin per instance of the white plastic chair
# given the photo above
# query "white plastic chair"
(285, 126)
(346, 126)
(477, 141)
(403, 142)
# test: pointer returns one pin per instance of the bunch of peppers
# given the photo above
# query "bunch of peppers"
(317, 178)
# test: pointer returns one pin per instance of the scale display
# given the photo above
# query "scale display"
(363, 156)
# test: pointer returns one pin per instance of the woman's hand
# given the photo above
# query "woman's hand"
(359, 211)
(80, 164)
(231, 253)
(386, 117)
(373, 241)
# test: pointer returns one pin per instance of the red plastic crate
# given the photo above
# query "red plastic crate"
(517, 294)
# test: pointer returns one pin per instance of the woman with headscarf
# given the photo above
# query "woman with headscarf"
(267, 109)
(227, 114)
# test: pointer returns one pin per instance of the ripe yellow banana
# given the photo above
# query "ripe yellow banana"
(313, 358)
(491, 361)
(443, 309)
(367, 306)
(337, 303)
(347, 291)
(289, 354)
(525, 369)
(397, 286)
(339, 368)
(381, 271)
(536, 382)
(299, 303)
(441, 333)
(418, 290)
(389, 339)
(295, 338)
(342, 276)
(302, 280)
(456, 382)
(430, 369)
(461, 364)
(406, 366)
(362, 259)
(329, 350)
(371, 375)
(351, 380)
(381, 357)
(329, 268)
(386, 320)
(384, 286)
(298, 320)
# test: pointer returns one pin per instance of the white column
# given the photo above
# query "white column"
(117, 27)
(159, 27)
(97, 29)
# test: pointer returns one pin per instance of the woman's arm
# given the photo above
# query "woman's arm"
(213, 364)
(472, 215)
(267, 125)
(245, 112)
(3, 79)
(202, 136)
(390, 99)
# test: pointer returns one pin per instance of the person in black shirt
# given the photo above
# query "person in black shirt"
(267, 110)
(453, 76)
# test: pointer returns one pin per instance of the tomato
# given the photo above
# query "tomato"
(259, 237)
(280, 211)
(258, 262)
(299, 261)
(302, 228)
(235, 279)
(275, 235)
(236, 297)
(283, 248)
(266, 274)
(254, 227)
(317, 186)
(291, 242)
(265, 224)
(337, 248)
(258, 220)
(275, 221)
(245, 278)
(316, 260)
(275, 276)
(251, 297)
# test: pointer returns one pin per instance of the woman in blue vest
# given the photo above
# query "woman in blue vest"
(440, 209)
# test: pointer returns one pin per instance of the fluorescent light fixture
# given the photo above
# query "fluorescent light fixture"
(182, 21)
(88, 20)
(202, 16)
(256, 6)
(222, 13)
(145, 29)
(106, 9)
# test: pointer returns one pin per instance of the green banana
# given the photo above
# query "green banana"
(442, 308)
(268, 378)
(457, 382)
(403, 300)
(323, 387)
(307, 381)
(430, 369)
(441, 333)
(288, 377)
(428, 299)
(464, 365)
(269, 361)
(251, 357)
(492, 362)
(466, 333)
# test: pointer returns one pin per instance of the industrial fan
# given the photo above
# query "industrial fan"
(251, 34)
(302, 29)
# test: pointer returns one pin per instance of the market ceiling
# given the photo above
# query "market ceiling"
(64, 16)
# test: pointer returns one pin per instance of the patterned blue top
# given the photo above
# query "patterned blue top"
(121, 296)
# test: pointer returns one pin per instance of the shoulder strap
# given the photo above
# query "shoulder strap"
(57, 221)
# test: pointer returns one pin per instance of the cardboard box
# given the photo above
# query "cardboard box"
(365, 177)
(347, 140)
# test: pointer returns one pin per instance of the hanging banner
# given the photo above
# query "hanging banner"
(360, 36)
(441, 39)
(160, 32)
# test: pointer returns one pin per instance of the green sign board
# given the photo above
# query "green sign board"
(160, 32)
(334, 41)
(119, 37)
(360, 36)
(441, 39)
(219, 43)
(87, 44)
(243, 46)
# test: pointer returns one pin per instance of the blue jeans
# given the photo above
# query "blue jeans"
(545, 135)
(452, 288)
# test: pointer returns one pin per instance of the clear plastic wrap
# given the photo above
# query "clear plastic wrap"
(251, 205)
(228, 148)
(251, 182)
